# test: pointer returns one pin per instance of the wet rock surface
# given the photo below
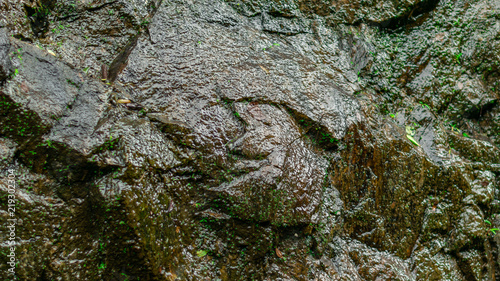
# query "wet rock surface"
(251, 140)
(6, 65)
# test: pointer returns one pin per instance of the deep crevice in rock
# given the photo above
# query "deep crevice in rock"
(120, 62)
(477, 112)
(415, 15)
(316, 132)
(39, 16)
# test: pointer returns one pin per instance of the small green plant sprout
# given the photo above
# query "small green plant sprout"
(392, 115)
(102, 266)
(410, 132)
(454, 127)
(424, 105)
(273, 45)
(19, 54)
(457, 57)
(487, 221)
(494, 230)
(201, 253)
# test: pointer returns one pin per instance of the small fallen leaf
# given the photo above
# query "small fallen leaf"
(123, 101)
(265, 69)
(177, 229)
(51, 52)
(412, 140)
(279, 254)
(201, 253)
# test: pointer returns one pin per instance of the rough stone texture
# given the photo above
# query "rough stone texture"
(88, 35)
(251, 140)
(383, 13)
(5, 63)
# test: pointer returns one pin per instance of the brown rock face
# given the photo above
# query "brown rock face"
(250, 139)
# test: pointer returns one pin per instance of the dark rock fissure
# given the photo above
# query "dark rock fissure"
(414, 15)
(120, 62)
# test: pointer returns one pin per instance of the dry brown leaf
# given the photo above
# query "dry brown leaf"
(279, 254)
(265, 69)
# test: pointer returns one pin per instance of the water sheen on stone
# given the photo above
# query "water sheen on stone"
(251, 139)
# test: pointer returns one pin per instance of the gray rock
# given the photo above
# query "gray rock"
(6, 67)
